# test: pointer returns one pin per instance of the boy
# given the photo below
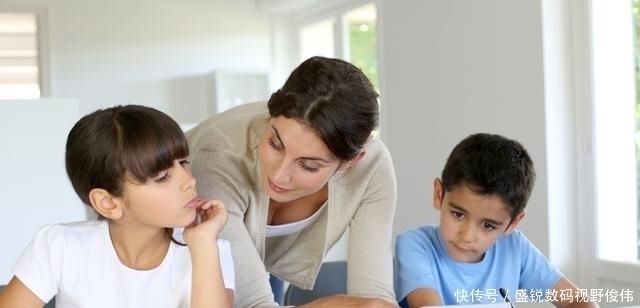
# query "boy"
(476, 250)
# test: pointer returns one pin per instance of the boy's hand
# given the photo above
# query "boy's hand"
(211, 217)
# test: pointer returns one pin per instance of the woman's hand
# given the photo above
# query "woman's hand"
(346, 301)
(210, 218)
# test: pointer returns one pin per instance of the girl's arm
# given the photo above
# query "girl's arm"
(207, 286)
(16, 294)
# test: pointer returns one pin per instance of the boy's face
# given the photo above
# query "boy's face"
(470, 222)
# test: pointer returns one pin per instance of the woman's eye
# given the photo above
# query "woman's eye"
(273, 144)
(308, 168)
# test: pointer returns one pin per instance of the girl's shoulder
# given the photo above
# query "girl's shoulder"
(73, 233)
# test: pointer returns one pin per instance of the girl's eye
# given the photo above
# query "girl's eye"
(273, 144)
(162, 177)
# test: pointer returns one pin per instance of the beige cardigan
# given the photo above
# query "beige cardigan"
(363, 198)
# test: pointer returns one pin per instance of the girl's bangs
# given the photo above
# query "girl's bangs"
(150, 150)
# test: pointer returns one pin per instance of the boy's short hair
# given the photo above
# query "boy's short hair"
(491, 164)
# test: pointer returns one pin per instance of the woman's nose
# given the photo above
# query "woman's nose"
(282, 172)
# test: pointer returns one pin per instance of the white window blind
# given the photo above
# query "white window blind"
(19, 73)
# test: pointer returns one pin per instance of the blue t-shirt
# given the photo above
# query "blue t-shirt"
(513, 263)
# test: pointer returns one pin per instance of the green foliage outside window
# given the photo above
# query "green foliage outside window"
(362, 38)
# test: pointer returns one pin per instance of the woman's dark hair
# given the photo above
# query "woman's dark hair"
(333, 97)
(108, 146)
(491, 164)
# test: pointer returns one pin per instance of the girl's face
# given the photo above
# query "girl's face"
(167, 200)
(295, 161)
(470, 223)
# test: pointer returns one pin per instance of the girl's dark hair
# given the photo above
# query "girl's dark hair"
(108, 144)
(333, 97)
(491, 165)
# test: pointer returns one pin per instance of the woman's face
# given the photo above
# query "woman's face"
(295, 161)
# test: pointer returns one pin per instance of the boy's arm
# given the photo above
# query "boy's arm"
(414, 269)
(577, 301)
(16, 294)
(423, 297)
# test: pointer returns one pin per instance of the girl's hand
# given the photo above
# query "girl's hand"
(210, 218)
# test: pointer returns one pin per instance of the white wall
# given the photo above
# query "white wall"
(33, 183)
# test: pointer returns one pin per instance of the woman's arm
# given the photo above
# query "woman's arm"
(346, 301)
(370, 264)
(370, 268)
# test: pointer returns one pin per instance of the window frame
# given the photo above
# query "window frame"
(595, 272)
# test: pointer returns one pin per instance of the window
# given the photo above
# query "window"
(614, 132)
(361, 27)
(19, 69)
(607, 144)
(349, 35)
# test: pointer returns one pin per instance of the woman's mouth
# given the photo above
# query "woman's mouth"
(277, 188)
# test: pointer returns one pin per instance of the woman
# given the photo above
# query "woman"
(295, 174)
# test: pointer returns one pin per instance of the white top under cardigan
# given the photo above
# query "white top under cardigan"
(363, 198)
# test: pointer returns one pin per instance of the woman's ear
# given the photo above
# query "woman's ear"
(105, 204)
(350, 163)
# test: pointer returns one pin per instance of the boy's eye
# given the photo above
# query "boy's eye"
(457, 214)
(488, 227)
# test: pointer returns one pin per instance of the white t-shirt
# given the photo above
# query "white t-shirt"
(77, 263)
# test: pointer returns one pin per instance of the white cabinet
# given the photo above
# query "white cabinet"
(231, 89)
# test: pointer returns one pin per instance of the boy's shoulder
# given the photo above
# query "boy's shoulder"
(421, 231)
(419, 236)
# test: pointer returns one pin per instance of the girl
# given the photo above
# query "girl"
(128, 163)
